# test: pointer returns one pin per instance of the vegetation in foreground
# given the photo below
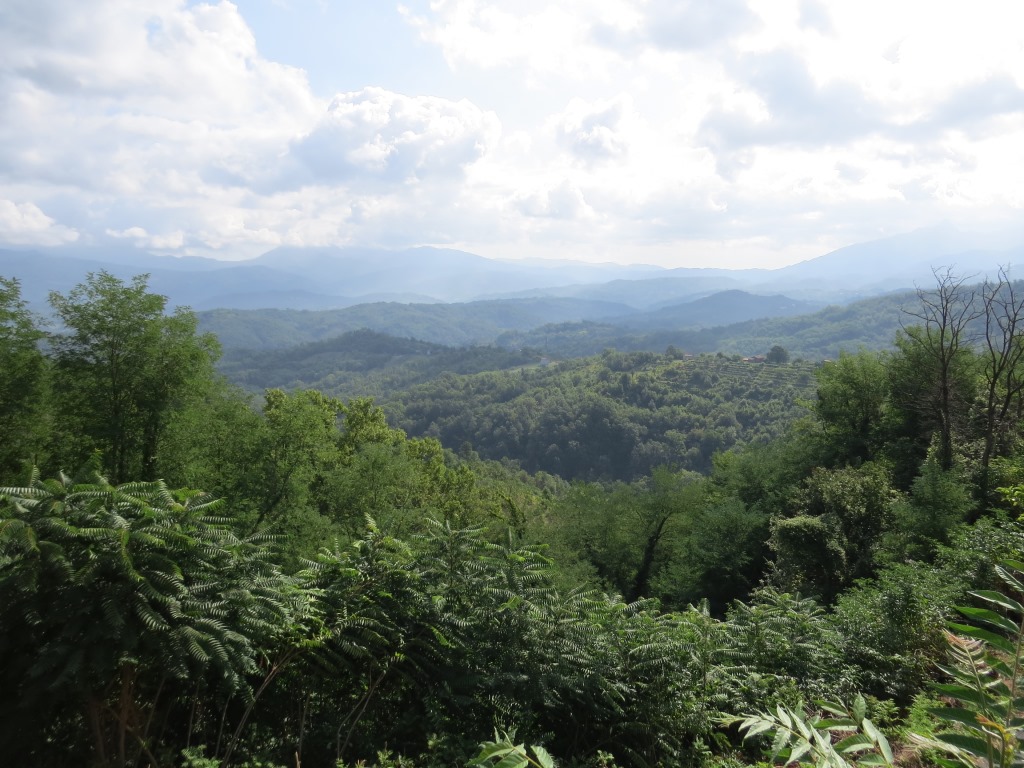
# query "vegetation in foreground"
(340, 592)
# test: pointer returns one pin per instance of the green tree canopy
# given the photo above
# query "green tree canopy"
(115, 603)
(121, 366)
(23, 382)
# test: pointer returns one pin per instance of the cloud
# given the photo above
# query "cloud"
(814, 15)
(26, 224)
(605, 126)
(143, 239)
(684, 26)
(696, 24)
(536, 39)
(138, 97)
(794, 108)
(593, 132)
(973, 106)
(564, 201)
(377, 135)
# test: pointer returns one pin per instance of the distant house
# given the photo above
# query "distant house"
(755, 359)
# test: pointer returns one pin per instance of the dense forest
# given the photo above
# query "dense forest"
(615, 416)
(747, 325)
(191, 575)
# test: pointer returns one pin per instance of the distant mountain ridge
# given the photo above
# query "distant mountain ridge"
(748, 325)
(459, 324)
(723, 308)
(333, 278)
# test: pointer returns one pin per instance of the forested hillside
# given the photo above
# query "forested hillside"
(615, 417)
(869, 323)
(190, 576)
(476, 322)
(554, 327)
(363, 363)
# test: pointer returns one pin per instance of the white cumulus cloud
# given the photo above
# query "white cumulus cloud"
(380, 135)
(26, 224)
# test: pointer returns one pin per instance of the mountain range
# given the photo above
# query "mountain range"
(335, 278)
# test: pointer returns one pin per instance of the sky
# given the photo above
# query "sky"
(729, 133)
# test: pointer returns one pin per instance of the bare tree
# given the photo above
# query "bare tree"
(946, 313)
(1003, 354)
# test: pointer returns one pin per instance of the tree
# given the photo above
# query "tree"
(852, 394)
(833, 538)
(1002, 356)
(943, 350)
(121, 367)
(628, 533)
(23, 383)
(777, 354)
(119, 604)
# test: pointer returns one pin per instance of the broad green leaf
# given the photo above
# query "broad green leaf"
(998, 598)
(962, 693)
(879, 738)
(955, 714)
(873, 759)
(1008, 577)
(989, 617)
(513, 760)
(780, 741)
(836, 709)
(756, 727)
(543, 757)
(801, 726)
(979, 633)
(860, 708)
(972, 744)
(857, 742)
(492, 749)
(801, 749)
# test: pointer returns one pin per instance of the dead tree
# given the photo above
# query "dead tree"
(944, 339)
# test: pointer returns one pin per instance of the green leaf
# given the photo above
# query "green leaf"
(1000, 599)
(963, 693)
(873, 759)
(1008, 577)
(753, 728)
(879, 738)
(955, 715)
(856, 742)
(836, 709)
(780, 741)
(860, 708)
(989, 617)
(492, 749)
(801, 749)
(972, 744)
(543, 757)
(513, 760)
(978, 633)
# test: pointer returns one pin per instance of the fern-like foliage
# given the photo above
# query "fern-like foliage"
(113, 597)
(781, 647)
(834, 737)
(503, 752)
(985, 678)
